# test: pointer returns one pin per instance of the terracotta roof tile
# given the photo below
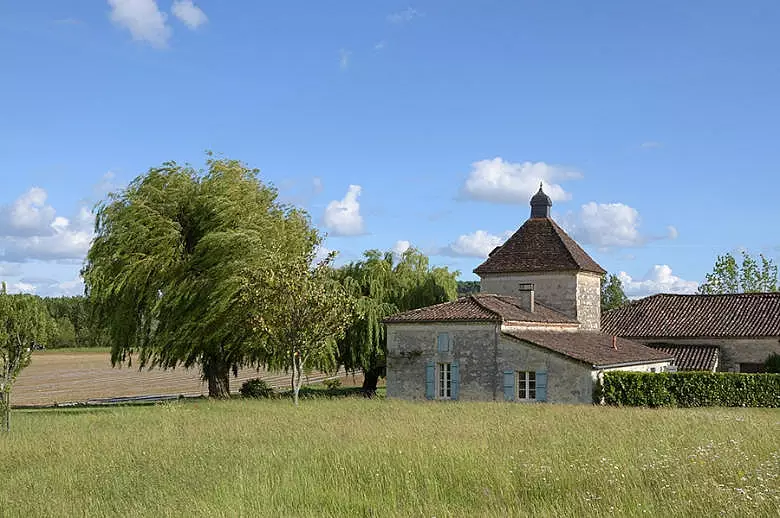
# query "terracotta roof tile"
(482, 307)
(540, 245)
(690, 316)
(592, 347)
(691, 357)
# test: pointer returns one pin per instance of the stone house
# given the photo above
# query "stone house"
(532, 334)
(730, 333)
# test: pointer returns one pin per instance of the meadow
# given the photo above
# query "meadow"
(355, 457)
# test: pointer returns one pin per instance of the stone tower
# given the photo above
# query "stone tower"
(540, 253)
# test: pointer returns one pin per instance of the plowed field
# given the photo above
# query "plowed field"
(67, 377)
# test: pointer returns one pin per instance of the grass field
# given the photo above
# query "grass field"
(354, 457)
(80, 375)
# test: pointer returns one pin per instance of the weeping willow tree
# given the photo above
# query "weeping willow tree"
(175, 258)
(382, 286)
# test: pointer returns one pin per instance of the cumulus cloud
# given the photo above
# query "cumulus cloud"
(189, 13)
(31, 230)
(400, 247)
(48, 287)
(321, 253)
(499, 181)
(342, 217)
(405, 16)
(28, 215)
(609, 225)
(143, 19)
(477, 244)
(659, 279)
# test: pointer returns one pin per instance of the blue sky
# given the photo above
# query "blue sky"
(653, 125)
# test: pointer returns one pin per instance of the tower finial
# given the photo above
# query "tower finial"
(540, 204)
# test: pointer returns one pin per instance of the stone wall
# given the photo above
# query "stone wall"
(733, 351)
(411, 346)
(589, 301)
(554, 290)
(568, 381)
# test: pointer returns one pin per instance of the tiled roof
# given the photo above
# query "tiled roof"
(540, 245)
(691, 357)
(689, 316)
(482, 307)
(592, 347)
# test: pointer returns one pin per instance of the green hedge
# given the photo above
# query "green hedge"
(690, 389)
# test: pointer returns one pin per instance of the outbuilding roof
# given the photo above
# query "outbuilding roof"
(540, 245)
(482, 307)
(691, 357)
(592, 347)
(697, 316)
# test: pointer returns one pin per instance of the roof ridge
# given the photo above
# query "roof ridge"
(478, 303)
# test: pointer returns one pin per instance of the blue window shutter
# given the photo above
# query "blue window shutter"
(455, 378)
(443, 342)
(509, 385)
(541, 385)
(429, 372)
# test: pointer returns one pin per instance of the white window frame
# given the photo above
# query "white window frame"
(444, 380)
(525, 385)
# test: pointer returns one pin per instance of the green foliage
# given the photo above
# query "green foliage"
(178, 259)
(301, 312)
(612, 294)
(772, 363)
(74, 328)
(754, 275)
(24, 323)
(468, 287)
(256, 388)
(691, 389)
(332, 384)
(381, 287)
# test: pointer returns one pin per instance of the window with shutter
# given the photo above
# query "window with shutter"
(443, 342)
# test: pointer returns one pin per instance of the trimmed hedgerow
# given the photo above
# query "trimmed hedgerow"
(690, 389)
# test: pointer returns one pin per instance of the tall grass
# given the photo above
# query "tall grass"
(386, 458)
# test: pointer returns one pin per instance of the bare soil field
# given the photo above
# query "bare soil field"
(58, 377)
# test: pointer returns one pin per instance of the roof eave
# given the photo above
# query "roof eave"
(629, 364)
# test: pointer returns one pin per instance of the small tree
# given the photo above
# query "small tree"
(612, 294)
(301, 313)
(772, 363)
(752, 276)
(24, 322)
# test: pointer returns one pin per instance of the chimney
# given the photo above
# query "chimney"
(526, 296)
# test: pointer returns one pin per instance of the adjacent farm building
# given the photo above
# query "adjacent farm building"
(535, 332)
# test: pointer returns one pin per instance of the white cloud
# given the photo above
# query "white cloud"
(500, 181)
(189, 13)
(21, 287)
(343, 217)
(609, 225)
(605, 225)
(321, 253)
(143, 19)
(31, 230)
(407, 15)
(316, 184)
(659, 279)
(400, 247)
(477, 244)
(48, 287)
(344, 57)
(380, 45)
(28, 215)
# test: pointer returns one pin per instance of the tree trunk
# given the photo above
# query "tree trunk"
(297, 377)
(370, 380)
(217, 373)
(6, 408)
